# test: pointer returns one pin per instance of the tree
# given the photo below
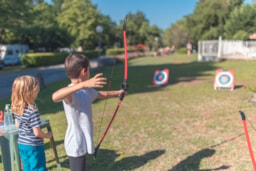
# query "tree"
(80, 18)
(44, 32)
(14, 16)
(177, 34)
(139, 30)
(209, 17)
(241, 23)
(109, 36)
(57, 5)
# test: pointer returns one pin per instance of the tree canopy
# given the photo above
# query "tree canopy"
(72, 23)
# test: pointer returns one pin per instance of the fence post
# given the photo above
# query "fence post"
(219, 47)
(199, 51)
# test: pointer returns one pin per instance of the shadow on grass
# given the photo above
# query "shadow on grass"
(239, 86)
(193, 162)
(107, 161)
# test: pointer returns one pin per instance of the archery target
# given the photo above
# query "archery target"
(161, 77)
(224, 79)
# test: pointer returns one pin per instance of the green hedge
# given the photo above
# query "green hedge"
(118, 51)
(46, 59)
(182, 50)
(43, 59)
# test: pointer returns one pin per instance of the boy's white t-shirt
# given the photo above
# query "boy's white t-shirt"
(79, 134)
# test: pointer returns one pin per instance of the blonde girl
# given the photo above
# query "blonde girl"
(27, 119)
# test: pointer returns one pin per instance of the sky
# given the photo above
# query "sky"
(162, 13)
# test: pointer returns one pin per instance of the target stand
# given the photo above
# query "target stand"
(161, 77)
(224, 80)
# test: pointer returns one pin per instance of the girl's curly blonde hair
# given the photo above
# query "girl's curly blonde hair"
(24, 92)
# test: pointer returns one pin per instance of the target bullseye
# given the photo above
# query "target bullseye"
(224, 79)
(161, 77)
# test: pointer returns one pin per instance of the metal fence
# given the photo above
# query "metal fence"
(209, 50)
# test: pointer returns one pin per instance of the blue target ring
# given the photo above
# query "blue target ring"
(161, 77)
(224, 79)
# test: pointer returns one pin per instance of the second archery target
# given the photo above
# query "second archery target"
(161, 77)
(224, 80)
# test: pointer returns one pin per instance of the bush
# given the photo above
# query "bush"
(118, 51)
(47, 59)
(43, 59)
(90, 53)
(182, 51)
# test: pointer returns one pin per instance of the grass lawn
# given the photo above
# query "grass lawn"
(184, 126)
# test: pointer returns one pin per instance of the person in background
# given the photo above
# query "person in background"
(77, 100)
(172, 49)
(27, 119)
(189, 48)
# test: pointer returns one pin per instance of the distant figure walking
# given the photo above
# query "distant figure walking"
(173, 49)
(189, 48)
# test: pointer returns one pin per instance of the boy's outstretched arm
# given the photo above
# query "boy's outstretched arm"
(64, 93)
(106, 94)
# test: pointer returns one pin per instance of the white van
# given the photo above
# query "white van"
(10, 54)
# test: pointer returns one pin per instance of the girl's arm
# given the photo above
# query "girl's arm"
(39, 133)
(16, 123)
(64, 93)
(106, 94)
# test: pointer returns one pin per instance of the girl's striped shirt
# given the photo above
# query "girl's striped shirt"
(29, 120)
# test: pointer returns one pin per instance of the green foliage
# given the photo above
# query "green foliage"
(241, 35)
(80, 19)
(241, 19)
(47, 59)
(90, 53)
(43, 59)
(182, 50)
(177, 34)
(118, 51)
(209, 18)
(139, 31)
(15, 15)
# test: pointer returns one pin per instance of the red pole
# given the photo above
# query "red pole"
(248, 140)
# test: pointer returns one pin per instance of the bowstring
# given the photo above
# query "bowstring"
(251, 124)
(109, 85)
(105, 103)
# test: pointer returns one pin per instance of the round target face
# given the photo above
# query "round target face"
(224, 79)
(161, 77)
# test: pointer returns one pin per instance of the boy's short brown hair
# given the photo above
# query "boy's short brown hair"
(74, 63)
